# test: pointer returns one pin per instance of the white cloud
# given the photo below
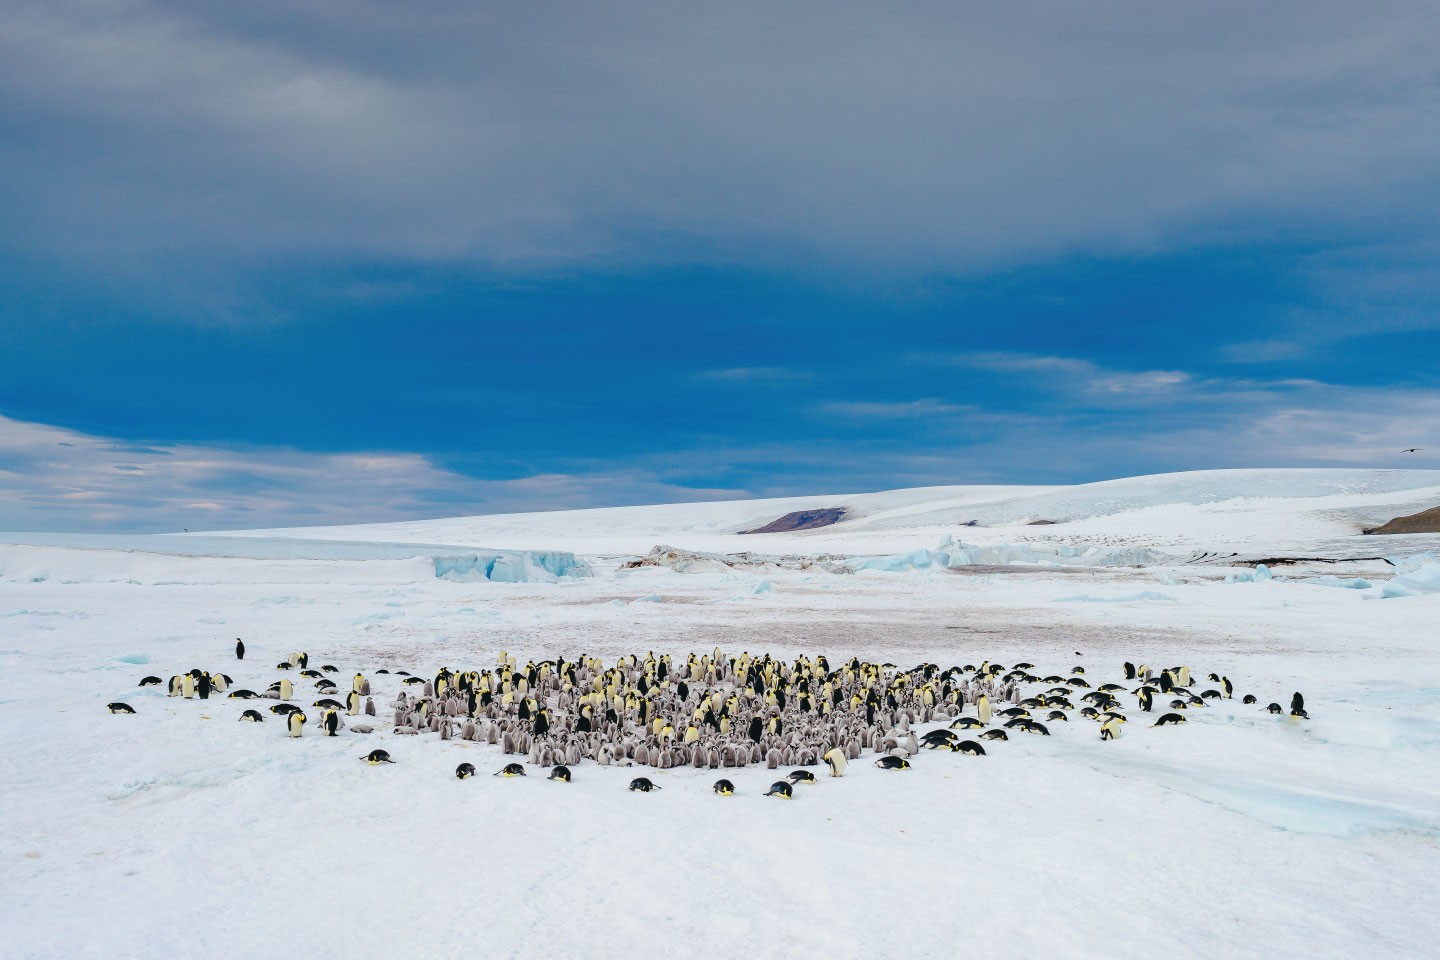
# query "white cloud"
(57, 479)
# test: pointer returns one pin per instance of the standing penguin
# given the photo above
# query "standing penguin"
(836, 759)
(202, 686)
(239, 649)
(187, 686)
(286, 690)
(296, 721)
(352, 703)
(331, 722)
(982, 708)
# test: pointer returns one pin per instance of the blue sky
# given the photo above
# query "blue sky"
(318, 262)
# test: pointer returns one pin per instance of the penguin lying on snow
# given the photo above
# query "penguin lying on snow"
(1168, 718)
(643, 785)
(561, 773)
(724, 788)
(801, 776)
(119, 708)
(465, 770)
(511, 770)
(151, 682)
(780, 789)
(893, 763)
(253, 716)
(376, 757)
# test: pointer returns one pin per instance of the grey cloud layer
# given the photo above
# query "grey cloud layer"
(928, 135)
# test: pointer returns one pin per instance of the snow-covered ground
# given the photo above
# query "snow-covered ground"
(179, 832)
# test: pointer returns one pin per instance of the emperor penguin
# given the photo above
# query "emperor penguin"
(330, 720)
(643, 785)
(800, 776)
(119, 707)
(465, 770)
(1110, 729)
(1297, 707)
(352, 703)
(239, 649)
(1169, 718)
(893, 763)
(560, 773)
(982, 709)
(969, 748)
(187, 686)
(511, 770)
(358, 682)
(254, 716)
(287, 690)
(377, 757)
(836, 759)
(151, 682)
(724, 788)
(780, 789)
(297, 723)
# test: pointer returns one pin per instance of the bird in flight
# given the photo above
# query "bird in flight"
(1412, 450)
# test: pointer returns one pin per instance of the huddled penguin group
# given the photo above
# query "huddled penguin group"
(716, 711)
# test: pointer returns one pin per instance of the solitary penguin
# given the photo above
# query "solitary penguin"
(780, 789)
(643, 784)
(892, 763)
(464, 770)
(724, 788)
(561, 773)
(151, 682)
(253, 716)
(377, 757)
(119, 708)
(239, 649)
(1248, 699)
(511, 770)
(297, 723)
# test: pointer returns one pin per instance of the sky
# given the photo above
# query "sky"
(312, 262)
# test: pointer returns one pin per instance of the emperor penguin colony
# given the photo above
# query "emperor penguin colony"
(716, 711)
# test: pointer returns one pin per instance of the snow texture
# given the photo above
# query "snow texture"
(179, 831)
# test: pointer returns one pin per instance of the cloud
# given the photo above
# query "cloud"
(57, 479)
(922, 137)
(926, 409)
(756, 376)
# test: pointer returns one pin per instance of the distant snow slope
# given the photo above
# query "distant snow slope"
(1202, 510)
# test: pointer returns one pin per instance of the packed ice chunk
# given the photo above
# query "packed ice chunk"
(511, 566)
(1345, 583)
(1258, 575)
(1419, 581)
(953, 553)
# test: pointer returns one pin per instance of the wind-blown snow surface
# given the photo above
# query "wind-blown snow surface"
(181, 832)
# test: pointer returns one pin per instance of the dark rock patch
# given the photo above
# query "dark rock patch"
(1427, 521)
(802, 520)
